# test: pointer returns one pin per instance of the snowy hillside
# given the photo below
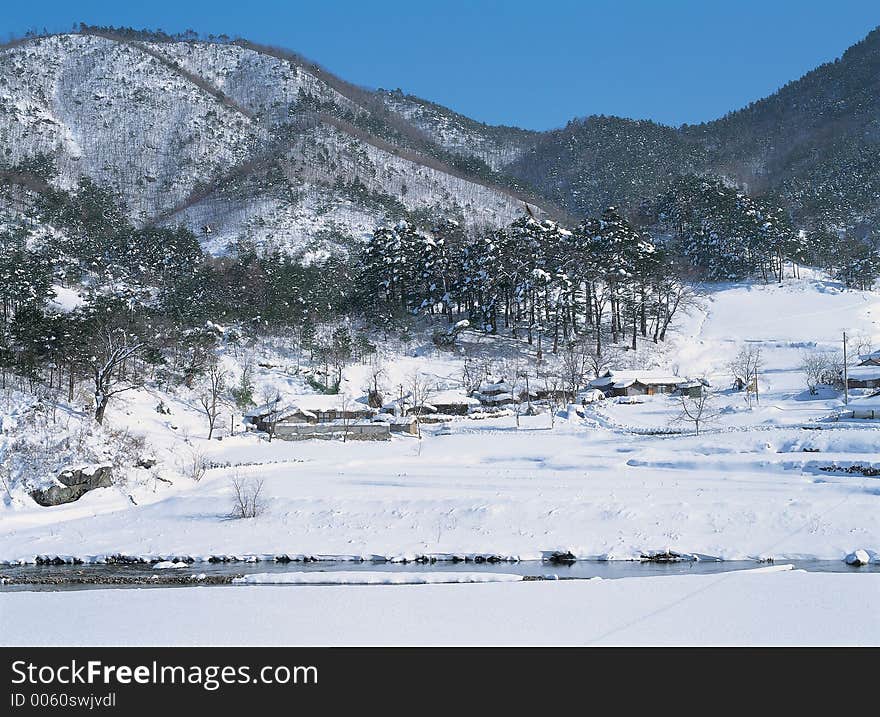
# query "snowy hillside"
(221, 134)
(498, 147)
(616, 479)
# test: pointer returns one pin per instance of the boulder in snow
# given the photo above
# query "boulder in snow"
(857, 558)
(73, 484)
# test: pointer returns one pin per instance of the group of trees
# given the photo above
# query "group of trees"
(724, 234)
(604, 280)
(149, 297)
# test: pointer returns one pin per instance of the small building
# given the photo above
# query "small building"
(870, 359)
(398, 424)
(691, 389)
(262, 418)
(541, 389)
(494, 392)
(864, 376)
(636, 383)
(307, 409)
(453, 402)
(864, 408)
(396, 406)
(423, 409)
(335, 430)
(407, 425)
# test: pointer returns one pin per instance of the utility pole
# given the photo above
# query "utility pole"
(757, 398)
(845, 374)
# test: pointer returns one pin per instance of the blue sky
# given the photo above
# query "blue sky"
(531, 64)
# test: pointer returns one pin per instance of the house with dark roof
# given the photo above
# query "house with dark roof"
(636, 383)
(864, 376)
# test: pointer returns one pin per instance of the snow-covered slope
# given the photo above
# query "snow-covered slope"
(497, 146)
(621, 480)
(223, 134)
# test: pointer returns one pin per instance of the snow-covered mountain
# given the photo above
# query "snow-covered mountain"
(250, 141)
(259, 144)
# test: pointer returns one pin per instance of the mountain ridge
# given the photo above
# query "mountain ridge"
(256, 141)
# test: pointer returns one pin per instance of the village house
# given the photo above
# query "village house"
(264, 417)
(453, 402)
(864, 376)
(865, 408)
(307, 409)
(396, 406)
(870, 359)
(543, 389)
(494, 392)
(636, 383)
(398, 424)
(691, 389)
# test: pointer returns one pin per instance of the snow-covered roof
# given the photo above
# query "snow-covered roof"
(307, 404)
(590, 394)
(453, 396)
(494, 397)
(325, 402)
(864, 373)
(493, 386)
(402, 420)
(622, 379)
(396, 402)
(266, 408)
(393, 420)
(872, 356)
(872, 401)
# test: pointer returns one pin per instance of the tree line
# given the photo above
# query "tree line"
(151, 303)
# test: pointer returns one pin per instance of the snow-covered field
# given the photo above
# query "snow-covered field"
(762, 607)
(602, 485)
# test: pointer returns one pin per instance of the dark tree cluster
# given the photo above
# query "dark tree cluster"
(532, 278)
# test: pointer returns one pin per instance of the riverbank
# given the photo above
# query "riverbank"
(492, 492)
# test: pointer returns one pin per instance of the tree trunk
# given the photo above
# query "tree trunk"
(100, 406)
(634, 325)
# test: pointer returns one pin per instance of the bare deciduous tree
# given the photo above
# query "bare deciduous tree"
(553, 385)
(272, 401)
(375, 375)
(247, 497)
(576, 361)
(814, 366)
(697, 410)
(673, 295)
(194, 465)
(599, 363)
(116, 347)
(420, 388)
(211, 394)
(746, 367)
(345, 407)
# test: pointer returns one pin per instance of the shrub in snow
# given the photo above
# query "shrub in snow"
(247, 498)
(194, 465)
